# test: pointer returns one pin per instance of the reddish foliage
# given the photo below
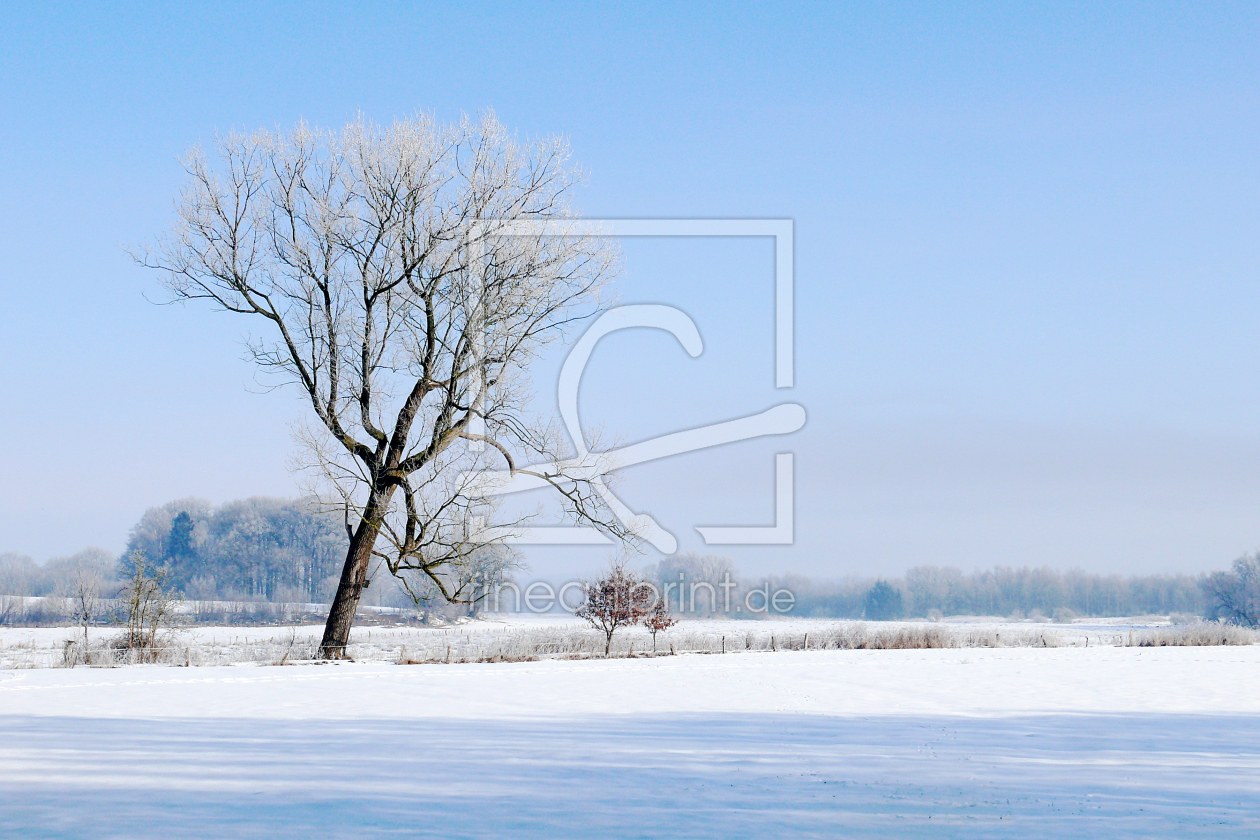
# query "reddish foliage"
(658, 618)
(618, 599)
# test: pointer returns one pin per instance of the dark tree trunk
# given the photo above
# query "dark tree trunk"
(353, 576)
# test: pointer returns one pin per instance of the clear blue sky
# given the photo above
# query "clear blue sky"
(1027, 259)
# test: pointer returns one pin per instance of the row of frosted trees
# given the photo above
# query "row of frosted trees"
(274, 549)
(1005, 591)
(923, 590)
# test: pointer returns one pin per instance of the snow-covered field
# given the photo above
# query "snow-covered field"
(1051, 742)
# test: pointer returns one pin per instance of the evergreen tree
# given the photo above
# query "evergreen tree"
(181, 551)
(883, 602)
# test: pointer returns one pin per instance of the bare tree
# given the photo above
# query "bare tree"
(149, 605)
(618, 599)
(1235, 595)
(480, 574)
(19, 575)
(398, 291)
(80, 595)
(658, 618)
(699, 584)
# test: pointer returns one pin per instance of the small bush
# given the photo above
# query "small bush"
(150, 608)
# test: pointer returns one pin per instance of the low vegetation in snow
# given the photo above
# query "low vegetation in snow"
(515, 642)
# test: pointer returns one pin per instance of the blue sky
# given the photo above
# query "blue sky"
(1027, 257)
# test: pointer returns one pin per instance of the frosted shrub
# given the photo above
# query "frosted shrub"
(150, 608)
(1207, 633)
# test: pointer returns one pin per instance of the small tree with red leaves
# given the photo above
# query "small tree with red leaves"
(618, 599)
(658, 618)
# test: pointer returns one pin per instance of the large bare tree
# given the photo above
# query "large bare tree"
(398, 288)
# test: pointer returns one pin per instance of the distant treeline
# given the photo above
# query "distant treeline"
(929, 590)
(1019, 592)
(258, 548)
(287, 550)
(20, 575)
(251, 550)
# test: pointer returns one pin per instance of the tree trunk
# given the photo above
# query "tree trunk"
(353, 576)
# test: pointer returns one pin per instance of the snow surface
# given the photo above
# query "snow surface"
(1113, 742)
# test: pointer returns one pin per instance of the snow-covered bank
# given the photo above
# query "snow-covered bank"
(1067, 742)
(1006, 681)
